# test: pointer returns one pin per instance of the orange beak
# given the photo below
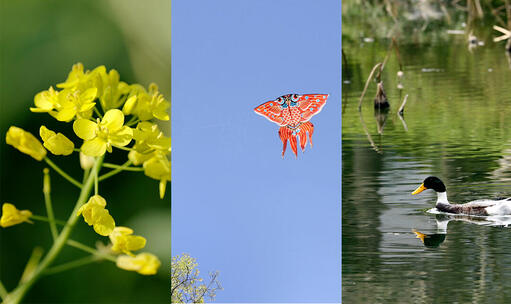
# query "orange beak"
(419, 190)
(419, 235)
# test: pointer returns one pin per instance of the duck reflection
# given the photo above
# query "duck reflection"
(434, 240)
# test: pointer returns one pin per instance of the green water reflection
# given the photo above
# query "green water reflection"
(457, 126)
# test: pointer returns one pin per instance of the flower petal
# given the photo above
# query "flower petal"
(113, 120)
(88, 95)
(104, 224)
(94, 147)
(85, 129)
(144, 263)
(25, 142)
(129, 105)
(122, 137)
(59, 145)
(45, 133)
(66, 114)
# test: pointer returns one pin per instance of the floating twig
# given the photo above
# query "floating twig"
(369, 135)
(403, 121)
(506, 32)
(402, 107)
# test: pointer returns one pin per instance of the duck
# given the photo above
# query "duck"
(482, 207)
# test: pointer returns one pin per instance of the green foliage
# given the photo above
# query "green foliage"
(186, 285)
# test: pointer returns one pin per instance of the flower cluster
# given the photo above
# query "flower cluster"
(105, 114)
(86, 94)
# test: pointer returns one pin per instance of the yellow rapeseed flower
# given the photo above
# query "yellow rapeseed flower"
(124, 242)
(12, 216)
(147, 105)
(149, 137)
(73, 103)
(95, 214)
(100, 137)
(158, 167)
(56, 143)
(112, 90)
(143, 263)
(74, 77)
(140, 158)
(77, 79)
(46, 101)
(25, 142)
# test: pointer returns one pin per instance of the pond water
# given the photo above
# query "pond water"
(457, 126)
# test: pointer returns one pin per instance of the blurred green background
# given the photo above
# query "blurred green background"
(39, 42)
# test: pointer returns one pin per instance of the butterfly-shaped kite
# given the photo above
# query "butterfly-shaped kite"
(292, 113)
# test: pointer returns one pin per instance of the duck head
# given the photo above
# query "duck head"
(431, 182)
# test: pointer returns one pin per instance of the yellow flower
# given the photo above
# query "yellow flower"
(158, 167)
(74, 77)
(45, 101)
(143, 263)
(12, 216)
(25, 142)
(100, 137)
(77, 79)
(124, 242)
(95, 214)
(57, 144)
(147, 105)
(148, 136)
(111, 90)
(139, 158)
(73, 103)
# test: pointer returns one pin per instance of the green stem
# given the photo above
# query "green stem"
(17, 294)
(45, 219)
(114, 172)
(97, 113)
(47, 202)
(3, 291)
(96, 187)
(124, 148)
(133, 121)
(31, 266)
(62, 173)
(86, 174)
(70, 265)
(114, 166)
(90, 250)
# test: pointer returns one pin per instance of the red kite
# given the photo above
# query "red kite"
(292, 113)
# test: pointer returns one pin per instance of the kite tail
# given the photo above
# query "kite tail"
(306, 127)
(286, 133)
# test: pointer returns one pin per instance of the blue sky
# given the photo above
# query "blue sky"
(271, 226)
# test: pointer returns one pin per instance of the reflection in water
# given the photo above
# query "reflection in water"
(380, 114)
(458, 126)
(433, 240)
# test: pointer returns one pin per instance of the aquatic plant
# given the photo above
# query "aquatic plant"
(108, 116)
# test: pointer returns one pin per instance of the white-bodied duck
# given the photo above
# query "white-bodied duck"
(483, 207)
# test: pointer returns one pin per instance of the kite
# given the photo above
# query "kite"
(292, 113)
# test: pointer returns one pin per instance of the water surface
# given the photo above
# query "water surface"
(456, 126)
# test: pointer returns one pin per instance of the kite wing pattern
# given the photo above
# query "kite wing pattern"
(272, 110)
(311, 104)
(292, 113)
